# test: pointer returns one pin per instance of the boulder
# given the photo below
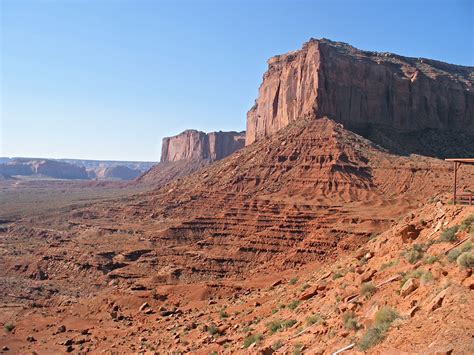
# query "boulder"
(409, 286)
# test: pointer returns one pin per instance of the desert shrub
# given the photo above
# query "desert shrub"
(375, 334)
(277, 345)
(9, 327)
(467, 224)
(419, 273)
(466, 260)
(386, 315)
(292, 305)
(456, 252)
(426, 277)
(414, 254)
(254, 338)
(293, 281)
(278, 324)
(389, 264)
(304, 287)
(313, 319)
(297, 349)
(350, 321)
(223, 314)
(368, 289)
(336, 275)
(213, 330)
(274, 311)
(431, 259)
(448, 235)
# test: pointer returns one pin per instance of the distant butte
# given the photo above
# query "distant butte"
(196, 145)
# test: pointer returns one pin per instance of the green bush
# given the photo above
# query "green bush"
(376, 333)
(277, 345)
(293, 281)
(297, 349)
(9, 327)
(389, 264)
(315, 318)
(431, 259)
(419, 273)
(350, 321)
(467, 224)
(466, 260)
(223, 314)
(278, 324)
(414, 254)
(213, 330)
(426, 277)
(448, 235)
(373, 336)
(386, 315)
(293, 304)
(367, 289)
(337, 275)
(454, 254)
(254, 338)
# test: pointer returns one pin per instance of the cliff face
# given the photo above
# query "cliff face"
(196, 145)
(363, 90)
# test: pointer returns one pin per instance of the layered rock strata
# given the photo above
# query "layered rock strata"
(196, 145)
(376, 94)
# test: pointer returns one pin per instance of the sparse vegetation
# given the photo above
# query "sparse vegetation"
(455, 253)
(297, 349)
(293, 281)
(467, 224)
(375, 334)
(223, 314)
(304, 287)
(336, 275)
(277, 345)
(9, 327)
(426, 277)
(466, 260)
(414, 254)
(254, 338)
(278, 324)
(350, 321)
(313, 319)
(448, 235)
(419, 273)
(213, 330)
(368, 289)
(430, 260)
(389, 264)
(293, 305)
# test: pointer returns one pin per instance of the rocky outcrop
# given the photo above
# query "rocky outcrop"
(196, 145)
(366, 91)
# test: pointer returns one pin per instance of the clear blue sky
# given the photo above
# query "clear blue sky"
(107, 79)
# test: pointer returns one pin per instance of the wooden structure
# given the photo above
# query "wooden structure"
(463, 197)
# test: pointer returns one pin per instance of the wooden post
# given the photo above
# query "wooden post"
(455, 181)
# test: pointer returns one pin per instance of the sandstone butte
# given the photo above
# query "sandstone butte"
(311, 239)
(196, 145)
(382, 96)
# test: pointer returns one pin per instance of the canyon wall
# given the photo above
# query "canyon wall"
(196, 145)
(363, 90)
